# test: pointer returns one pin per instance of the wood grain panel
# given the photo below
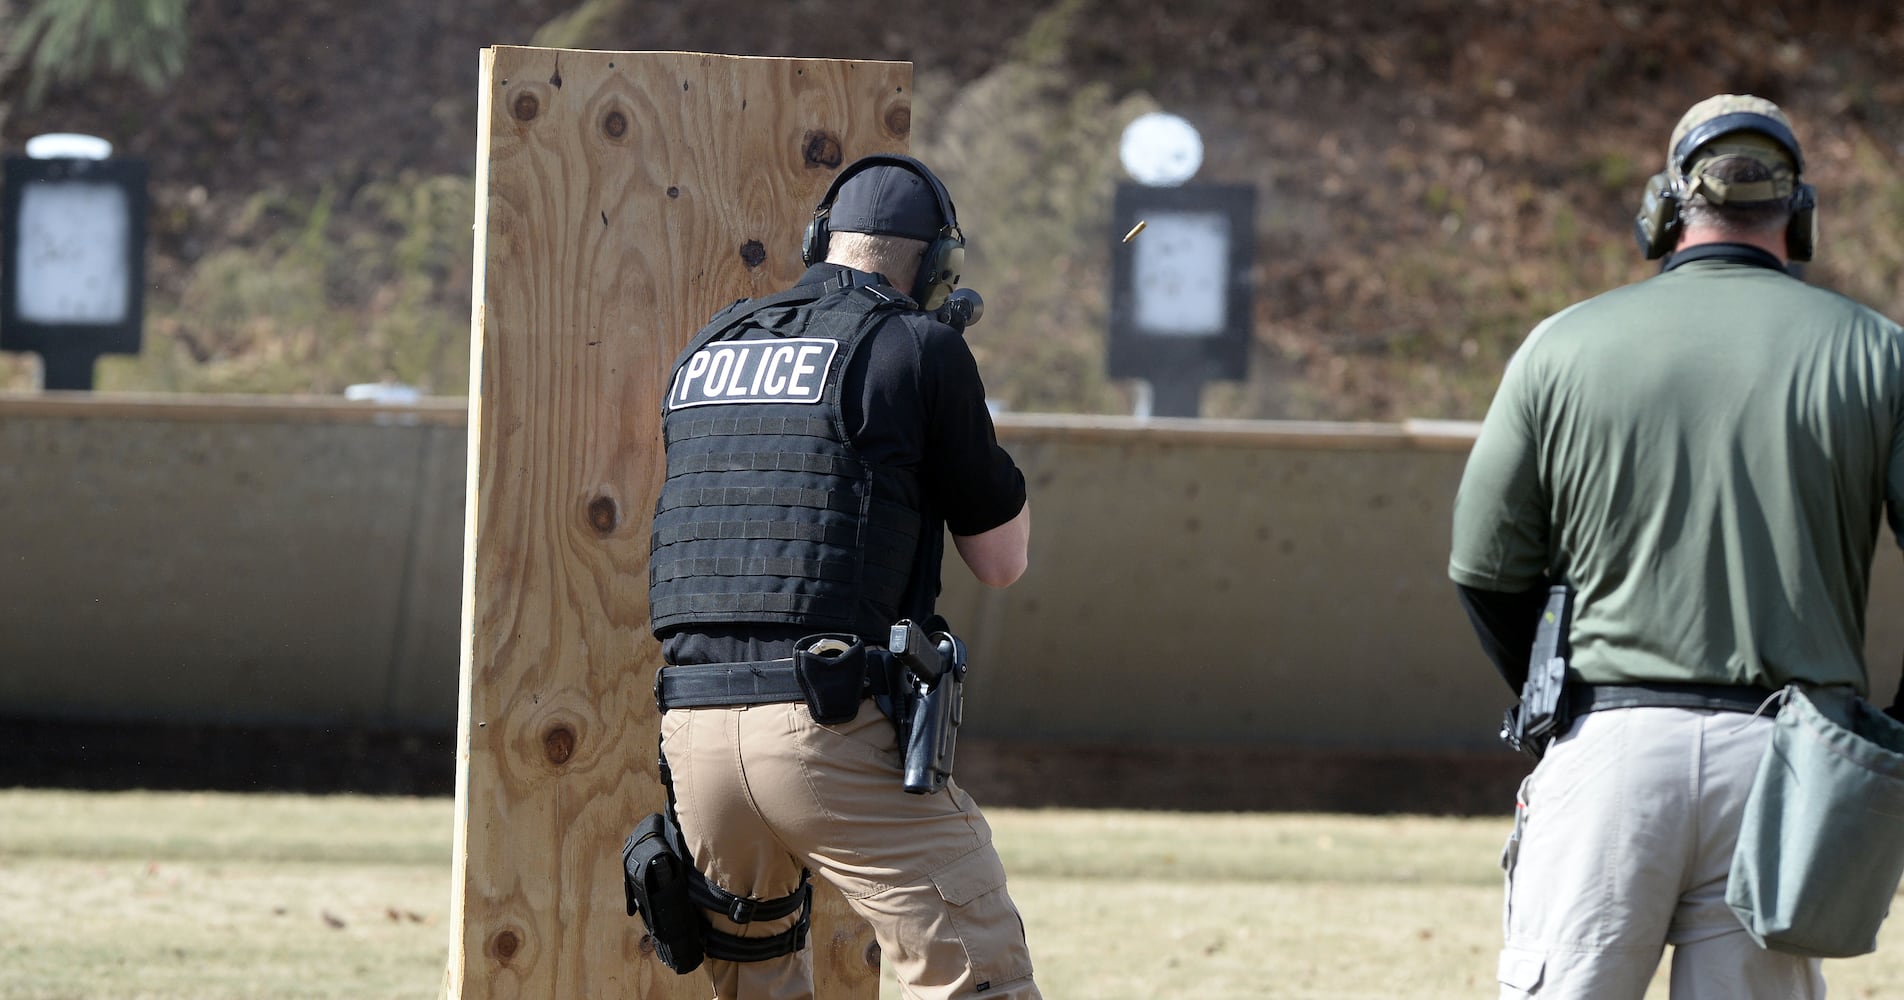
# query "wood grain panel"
(622, 199)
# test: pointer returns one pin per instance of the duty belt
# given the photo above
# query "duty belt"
(1584, 698)
(748, 682)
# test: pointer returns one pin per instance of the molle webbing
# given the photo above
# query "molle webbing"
(834, 571)
(786, 531)
(764, 461)
(728, 606)
(879, 536)
(820, 498)
(726, 425)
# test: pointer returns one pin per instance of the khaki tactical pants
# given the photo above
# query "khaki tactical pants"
(762, 791)
(1622, 845)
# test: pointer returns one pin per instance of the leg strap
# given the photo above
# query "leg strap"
(742, 910)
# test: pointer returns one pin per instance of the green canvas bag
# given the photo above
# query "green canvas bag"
(1821, 848)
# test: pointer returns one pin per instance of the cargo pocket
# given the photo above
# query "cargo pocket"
(1521, 969)
(987, 922)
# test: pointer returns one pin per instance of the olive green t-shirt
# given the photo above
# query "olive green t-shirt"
(1704, 456)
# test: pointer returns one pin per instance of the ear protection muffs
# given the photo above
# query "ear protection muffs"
(1801, 234)
(1657, 226)
(944, 261)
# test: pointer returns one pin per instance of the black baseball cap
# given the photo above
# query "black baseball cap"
(888, 200)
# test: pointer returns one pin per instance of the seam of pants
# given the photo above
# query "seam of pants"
(1696, 829)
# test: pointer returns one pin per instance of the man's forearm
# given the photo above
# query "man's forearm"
(1505, 623)
(998, 557)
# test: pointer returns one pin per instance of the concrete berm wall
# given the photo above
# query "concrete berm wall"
(251, 561)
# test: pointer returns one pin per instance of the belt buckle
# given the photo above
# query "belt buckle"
(742, 911)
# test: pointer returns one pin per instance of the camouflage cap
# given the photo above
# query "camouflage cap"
(1724, 114)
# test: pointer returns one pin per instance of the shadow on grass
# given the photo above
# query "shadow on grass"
(110, 756)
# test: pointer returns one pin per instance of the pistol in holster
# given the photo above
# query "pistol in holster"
(1542, 714)
(932, 686)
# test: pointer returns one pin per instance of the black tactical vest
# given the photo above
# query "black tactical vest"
(768, 514)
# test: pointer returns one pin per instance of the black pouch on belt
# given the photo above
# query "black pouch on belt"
(831, 668)
(655, 873)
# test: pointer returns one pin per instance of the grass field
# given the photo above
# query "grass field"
(145, 896)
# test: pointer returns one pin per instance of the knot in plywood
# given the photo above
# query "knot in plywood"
(604, 515)
(558, 744)
(549, 734)
(898, 121)
(504, 945)
(821, 149)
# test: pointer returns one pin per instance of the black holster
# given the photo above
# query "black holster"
(657, 878)
(932, 676)
(933, 736)
(1543, 715)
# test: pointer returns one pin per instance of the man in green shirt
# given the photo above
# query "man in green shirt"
(1703, 458)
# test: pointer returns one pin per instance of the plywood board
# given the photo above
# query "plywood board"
(621, 199)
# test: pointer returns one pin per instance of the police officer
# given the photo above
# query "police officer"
(820, 441)
(1704, 457)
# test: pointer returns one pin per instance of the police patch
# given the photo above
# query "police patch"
(792, 370)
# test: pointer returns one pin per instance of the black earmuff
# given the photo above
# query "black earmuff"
(813, 244)
(944, 261)
(1801, 234)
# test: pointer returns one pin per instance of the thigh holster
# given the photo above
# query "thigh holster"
(656, 877)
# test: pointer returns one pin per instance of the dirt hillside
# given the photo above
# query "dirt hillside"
(1433, 175)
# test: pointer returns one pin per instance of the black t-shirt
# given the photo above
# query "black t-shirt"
(912, 400)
